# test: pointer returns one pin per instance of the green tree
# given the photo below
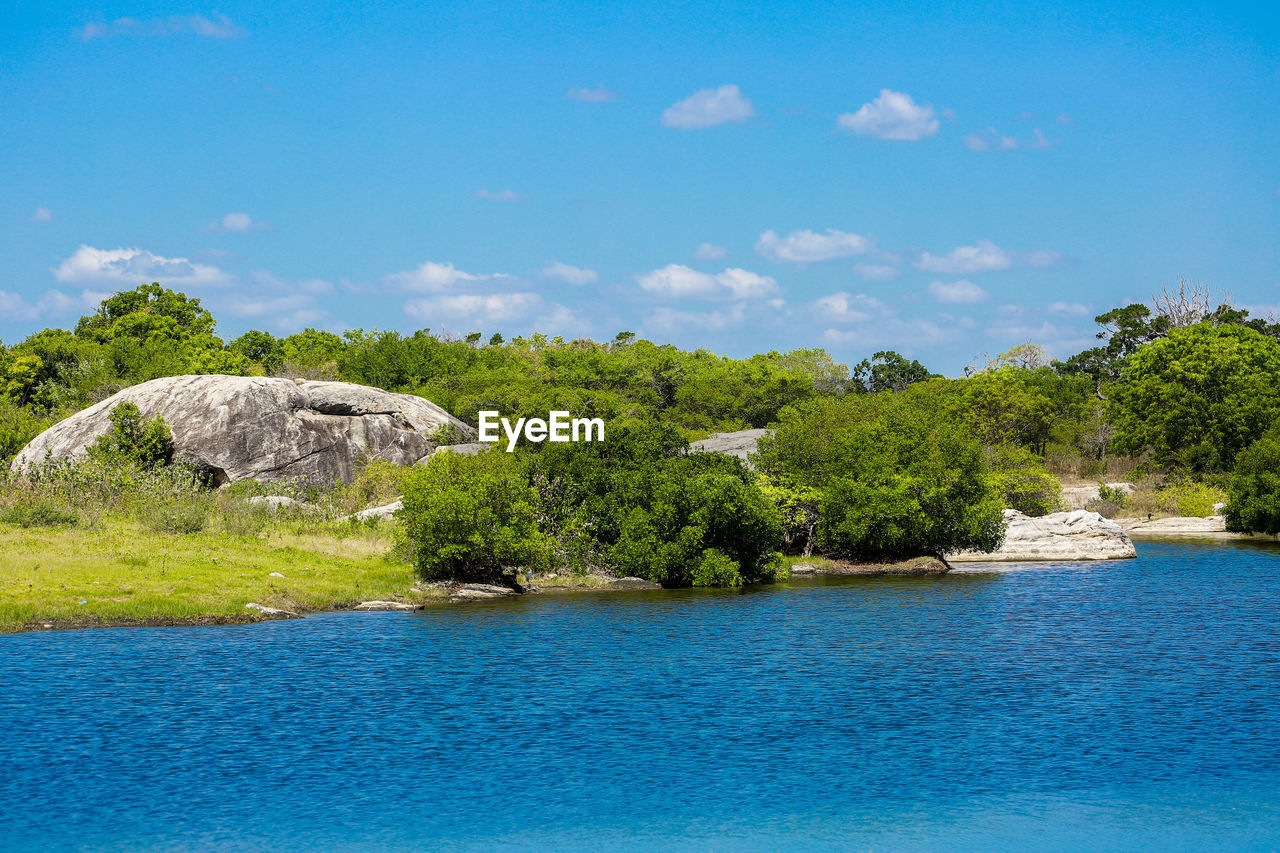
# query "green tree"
(132, 440)
(888, 371)
(1253, 497)
(896, 477)
(472, 518)
(1198, 397)
(260, 347)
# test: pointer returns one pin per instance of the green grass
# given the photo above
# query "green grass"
(126, 574)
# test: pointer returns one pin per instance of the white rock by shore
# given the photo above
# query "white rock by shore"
(1182, 526)
(1075, 535)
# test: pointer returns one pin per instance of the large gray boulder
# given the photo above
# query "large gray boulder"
(248, 427)
(741, 444)
(1076, 535)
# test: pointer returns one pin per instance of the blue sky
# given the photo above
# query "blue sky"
(941, 179)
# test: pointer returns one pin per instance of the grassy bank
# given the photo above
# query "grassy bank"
(119, 573)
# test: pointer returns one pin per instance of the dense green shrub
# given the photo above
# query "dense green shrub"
(656, 512)
(1022, 481)
(1253, 505)
(472, 518)
(895, 476)
(40, 513)
(132, 440)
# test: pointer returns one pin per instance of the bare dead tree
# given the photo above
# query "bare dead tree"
(1191, 303)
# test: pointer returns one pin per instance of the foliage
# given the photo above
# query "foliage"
(894, 475)
(654, 511)
(472, 518)
(133, 441)
(1198, 397)
(1112, 494)
(1022, 481)
(1253, 505)
(1176, 494)
(887, 371)
(40, 513)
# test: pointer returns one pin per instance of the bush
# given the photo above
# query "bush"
(40, 513)
(132, 440)
(1112, 494)
(1022, 480)
(1177, 495)
(472, 518)
(1254, 493)
(654, 512)
(176, 515)
(895, 476)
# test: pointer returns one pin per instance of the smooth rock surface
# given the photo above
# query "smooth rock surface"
(633, 583)
(480, 592)
(386, 605)
(1075, 535)
(468, 449)
(741, 444)
(1177, 525)
(242, 427)
(273, 502)
(272, 612)
(380, 512)
(1078, 497)
(912, 567)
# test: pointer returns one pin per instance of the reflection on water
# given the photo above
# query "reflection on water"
(1124, 705)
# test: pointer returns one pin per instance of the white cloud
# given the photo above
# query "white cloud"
(15, 306)
(957, 292)
(132, 267)
(569, 274)
(745, 284)
(803, 247)
(431, 277)
(237, 222)
(272, 306)
(893, 115)
(669, 320)
(475, 308)
(1069, 309)
(218, 27)
(990, 140)
(678, 281)
(844, 307)
(42, 214)
(598, 95)
(1041, 258)
(876, 272)
(982, 257)
(707, 108)
(710, 252)
(504, 195)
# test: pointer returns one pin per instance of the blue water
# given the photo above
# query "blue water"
(1118, 706)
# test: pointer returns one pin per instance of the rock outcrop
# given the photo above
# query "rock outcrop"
(381, 513)
(1078, 497)
(246, 427)
(741, 444)
(909, 568)
(1075, 535)
(1179, 526)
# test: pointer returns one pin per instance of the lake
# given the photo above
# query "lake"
(1130, 705)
